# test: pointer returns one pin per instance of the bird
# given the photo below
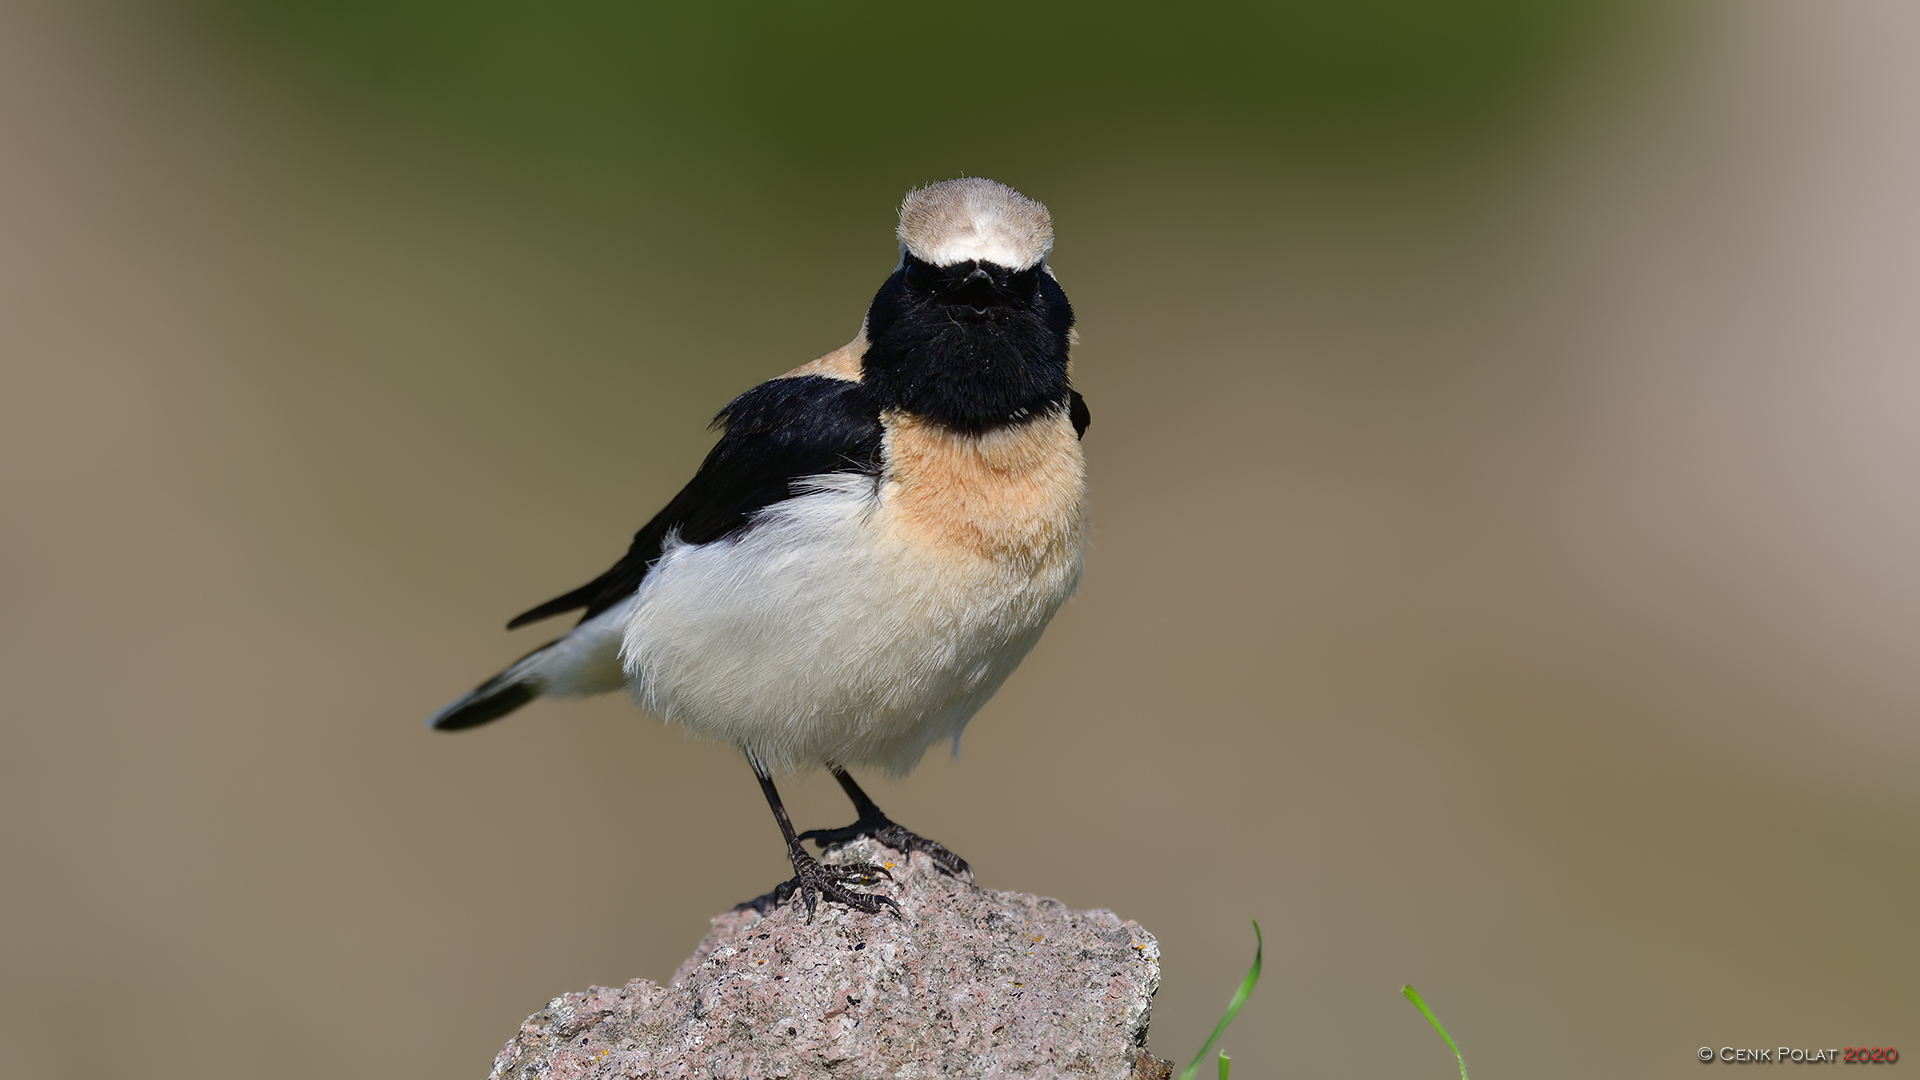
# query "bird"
(873, 544)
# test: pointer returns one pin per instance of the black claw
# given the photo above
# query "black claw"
(883, 829)
(816, 880)
(813, 880)
(863, 873)
(827, 838)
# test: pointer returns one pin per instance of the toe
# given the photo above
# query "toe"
(871, 903)
(862, 873)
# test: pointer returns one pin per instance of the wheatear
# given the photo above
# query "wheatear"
(874, 544)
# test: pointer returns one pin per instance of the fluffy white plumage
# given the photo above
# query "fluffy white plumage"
(583, 663)
(824, 634)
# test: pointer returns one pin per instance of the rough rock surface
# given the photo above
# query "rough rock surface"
(971, 982)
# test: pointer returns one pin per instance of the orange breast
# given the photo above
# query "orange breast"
(1011, 496)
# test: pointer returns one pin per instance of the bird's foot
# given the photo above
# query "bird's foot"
(813, 879)
(882, 828)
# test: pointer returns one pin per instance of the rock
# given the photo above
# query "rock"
(970, 982)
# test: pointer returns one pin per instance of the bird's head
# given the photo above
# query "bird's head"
(971, 327)
(973, 245)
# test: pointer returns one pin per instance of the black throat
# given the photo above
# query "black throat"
(974, 346)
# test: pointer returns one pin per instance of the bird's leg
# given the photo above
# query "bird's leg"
(877, 825)
(811, 879)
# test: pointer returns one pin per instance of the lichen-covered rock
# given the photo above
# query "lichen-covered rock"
(970, 982)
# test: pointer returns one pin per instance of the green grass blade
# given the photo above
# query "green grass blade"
(1225, 1063)
(1233, 1007)
(1413, 995)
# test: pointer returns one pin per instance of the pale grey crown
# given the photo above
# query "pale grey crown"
(975, 219)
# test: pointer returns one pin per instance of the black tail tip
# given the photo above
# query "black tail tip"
(482, 706)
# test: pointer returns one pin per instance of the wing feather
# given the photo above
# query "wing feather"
(771, 436)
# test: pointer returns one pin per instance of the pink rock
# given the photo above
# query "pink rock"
(971, 982)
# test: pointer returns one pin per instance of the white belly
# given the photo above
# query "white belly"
(831, 632)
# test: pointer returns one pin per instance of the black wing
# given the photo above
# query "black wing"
(773, 434)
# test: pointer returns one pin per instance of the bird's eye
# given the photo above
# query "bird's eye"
(915, 275)
(1024, 282)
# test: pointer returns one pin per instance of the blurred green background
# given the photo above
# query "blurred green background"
(1502, 573)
